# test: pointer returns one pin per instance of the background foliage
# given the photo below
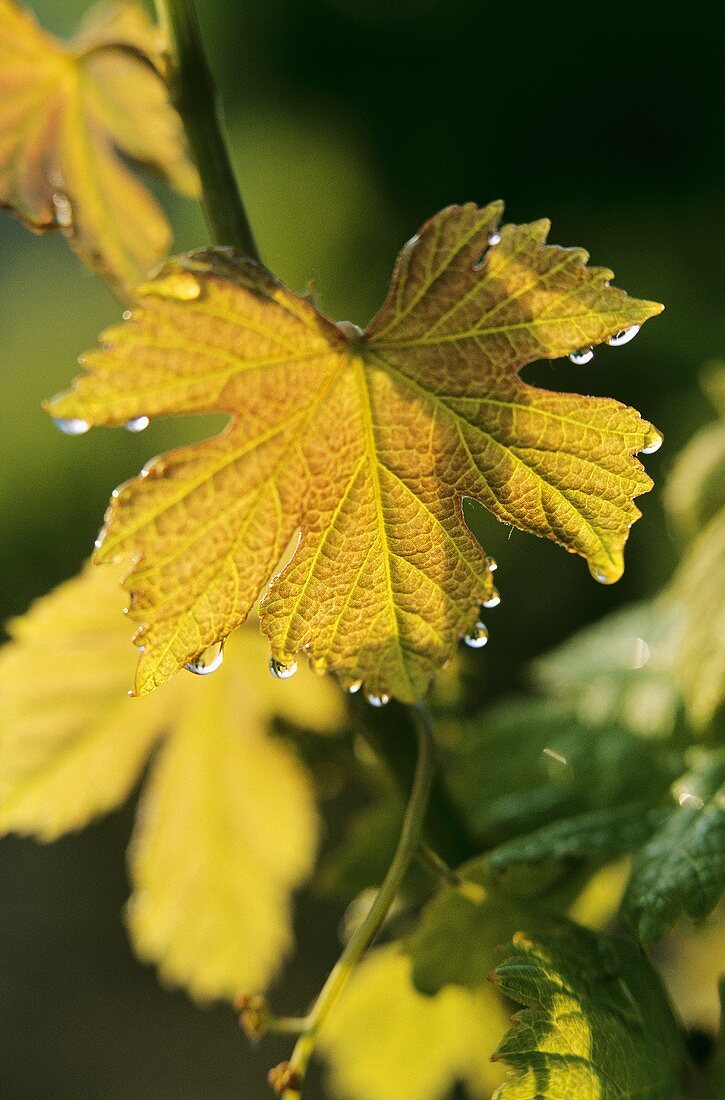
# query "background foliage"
(352, 121)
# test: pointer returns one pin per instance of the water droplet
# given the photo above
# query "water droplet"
(73, 426)
(350, 329)
(623, 337)
(492, 600)
(582, 356)
(378, 700)
(208, 661)
(354, 687)
(653, 442)
(281, 671)
(491, 565)
(175, 284)
(494, 239)
(601, 577)
(63, 210)
(137, 424)
(477, 638)
(127, 314)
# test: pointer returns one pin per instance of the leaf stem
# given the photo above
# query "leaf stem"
(407, 848)
(194, 94)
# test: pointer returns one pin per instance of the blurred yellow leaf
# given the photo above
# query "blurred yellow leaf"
(698, 591)
(367, 444)
(227, 826)
(69, 115)
(385, 1040)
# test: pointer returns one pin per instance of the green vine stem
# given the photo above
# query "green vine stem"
(194, 94)
(407, 849)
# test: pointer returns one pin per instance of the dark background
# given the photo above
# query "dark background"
(352, 121)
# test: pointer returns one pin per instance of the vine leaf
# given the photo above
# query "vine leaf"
(69, 115)
(682, 868)
(227, 825)
(597, 1023)
(386, 1040)
(363, 444)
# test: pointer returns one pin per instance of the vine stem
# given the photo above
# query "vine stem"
(407, 849)
(194, 94)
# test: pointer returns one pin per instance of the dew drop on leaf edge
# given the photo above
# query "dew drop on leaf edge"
(354, 687)
(137, 424)
(72, 426)
(281, 671)
(378, 700)
(653, 442)
(624, 336)
(477, 638)
(492, 600)
(581, 357)
(208, 660)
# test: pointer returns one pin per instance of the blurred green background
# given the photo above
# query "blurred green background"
(351, 122)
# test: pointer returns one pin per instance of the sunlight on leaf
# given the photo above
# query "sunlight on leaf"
(227, 826)
(69, 115)
(365, 444)
(597, 1025)
(385, 1040)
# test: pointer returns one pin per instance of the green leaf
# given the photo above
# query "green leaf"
(459, 931)
(619, 669)
(528, 762)
(682, 868)
(596, 1026)
(598, 836)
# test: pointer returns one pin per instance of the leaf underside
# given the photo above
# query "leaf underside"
(69, 115)
(363, 446)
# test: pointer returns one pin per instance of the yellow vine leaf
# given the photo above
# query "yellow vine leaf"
(363, 445)
(385, 1040)
(69, 115)
(227, 825)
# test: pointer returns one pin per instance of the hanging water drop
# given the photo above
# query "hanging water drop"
(582, 356)
(477, 638)
(623, 337)
(653, 442)
(378, 700)
(494, 239)
(491, 565)
(281, 671)
(73, 426)
(208, 661)
(178, 284)
(492, 600)
(63, 210)
(137, 424)
(354, 687)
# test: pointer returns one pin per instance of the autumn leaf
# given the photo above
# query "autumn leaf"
(69, 115)
(386, 1040)
(597, 1025)
(227, 824)
(363, 445)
